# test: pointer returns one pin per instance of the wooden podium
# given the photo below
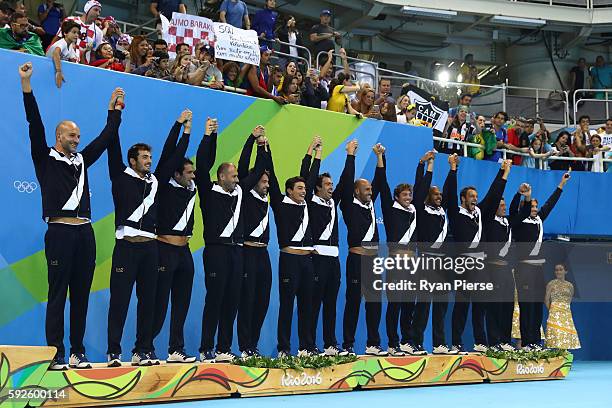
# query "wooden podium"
(25, 380)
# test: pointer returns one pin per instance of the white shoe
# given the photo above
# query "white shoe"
(141, 359)
(375, 351)
(335, 351)
(114, 360)
(179, 356)
(480, 348)
(443, 349)
(207, 356)
(78, 361)
(395, 352)
(224, 357)
(284, 354)
(407, 348)
(507, 347)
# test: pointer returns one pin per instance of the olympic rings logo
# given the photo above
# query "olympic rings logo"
(25, 186)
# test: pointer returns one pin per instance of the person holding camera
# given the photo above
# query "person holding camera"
(114, 60)
(50, 16)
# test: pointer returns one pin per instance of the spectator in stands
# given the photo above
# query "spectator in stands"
(236, 13)
(578, 147)
(123, 42)
(110, 31)
(161, 66)
(288, 33)
(514, 131)
(275, 80)
(233, 75)
(20, 7)
(606, 134)
(338, 100)
(210, 9)
(91, 34)
(324, 37)
(410, 71)
(139, 50)
(401, 107)
(562, 146)
(460, 129)
(65, 49)
(384, 92)
(579, 77)
(5, 14)
(207, 73)
(500, 133)
(584, 123)
(50, 16)
(597, 151)
(18, 38)
(181, 68)
(366, 105)
(160, 45)
(537, 150)
(387, 112)
(601, 74)
(167, 7)
(259, 76)
(465, 99)
(313, 93)
(358, 96)
(265, 21)
(464, 71)
(473, 80)
(289, 90)
(105, 58)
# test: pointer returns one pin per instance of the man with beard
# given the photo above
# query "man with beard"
(19, 38)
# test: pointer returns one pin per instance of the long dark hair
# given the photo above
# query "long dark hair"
(287, 80)
(339, 80)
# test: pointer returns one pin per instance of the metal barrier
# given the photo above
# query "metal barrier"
(374, 64)
(359, 72)
(123, 25)
(292, 57)
(540, 161)
(576, 101)
(299, 47)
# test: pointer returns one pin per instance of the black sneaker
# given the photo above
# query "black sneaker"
(255, 352)
(246, 353)
(78, 360)
(350, 351)
(419, 350)
(114, 360)
(58, 364)
(153, 357)
(207, 356)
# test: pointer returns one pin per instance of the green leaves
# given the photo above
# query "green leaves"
(294, 363)
(524, 356)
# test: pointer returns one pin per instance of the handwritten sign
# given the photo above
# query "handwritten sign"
(187, 29)
(235, 44)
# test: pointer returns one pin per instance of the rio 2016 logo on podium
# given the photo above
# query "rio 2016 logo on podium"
(288, 380)
(529, 369)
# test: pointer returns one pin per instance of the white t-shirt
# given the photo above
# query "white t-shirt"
(292, 40)
(90, 34)
(67, 53)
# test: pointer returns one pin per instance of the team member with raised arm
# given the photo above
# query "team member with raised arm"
(221, 205)
(432, 231)
(295, 269)
(70, 246)
(135, 256)
(175, 227)
(499, 310)
(400, 222)
(466, 225)
(529, 272)
(323, 214)
(357, 204)
(257, 275)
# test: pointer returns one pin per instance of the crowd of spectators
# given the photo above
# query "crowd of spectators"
(283, 77)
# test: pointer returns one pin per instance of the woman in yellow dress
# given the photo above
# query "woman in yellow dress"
(560, 330)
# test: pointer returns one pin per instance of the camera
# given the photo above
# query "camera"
(119, 55)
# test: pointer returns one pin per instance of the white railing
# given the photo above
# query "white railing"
(129, 28)
(299, 47)
(539, 161)
(580, 99)
(358, 60)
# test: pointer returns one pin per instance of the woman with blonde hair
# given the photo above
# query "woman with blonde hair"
(401, 107)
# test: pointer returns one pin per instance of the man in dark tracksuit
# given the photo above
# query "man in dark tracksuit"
(500, 307)
(257, 274)
(221, 205)
(466, 226)
(323, 212)
(432, 229)
(175, 219)
(400, 222)
(135, 256)
(357, 206)
(295, 268)
(529, 274)
(70, 246)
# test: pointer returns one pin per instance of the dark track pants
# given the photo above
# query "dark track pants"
(223, 270)
(175, 277)
(399, 304)
(71, 260)
(133, 263)
(296, 278)
(531, 289)
(325, 292)
(373, 306)
(254, 297)
(499, 310)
